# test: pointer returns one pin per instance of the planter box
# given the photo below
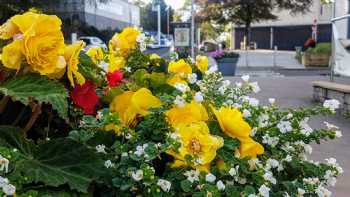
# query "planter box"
(316, 59)
(227, 66)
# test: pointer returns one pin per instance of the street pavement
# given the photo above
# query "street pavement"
(296, 91)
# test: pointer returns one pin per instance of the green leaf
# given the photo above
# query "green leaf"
(54, 163)
(89, 70)
(41, 89)
(186, 186)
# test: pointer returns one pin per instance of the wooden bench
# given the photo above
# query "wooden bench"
(324, 90)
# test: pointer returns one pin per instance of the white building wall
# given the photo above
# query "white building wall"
(120, 11)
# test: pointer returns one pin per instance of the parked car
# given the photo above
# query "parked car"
(165, 41)
(92, 41)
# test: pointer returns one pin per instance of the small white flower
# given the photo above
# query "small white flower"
(305, 127)
(338, 134)
(226, 83)
(9, 189)
(99, 115)
(308, 149)
(264, 191)
(198, 97)
(323, 192)
(192, 78)
(285, 126)
(212, 69)
(181, 87)
(3, 181)
(331, 104)
(192, 175)
(138, 175)
(234, 171)
(174, 136)
(255, 87)
(245, 78)
(124, 154)
(220, 185)
(272, 141)
(127, 69)
(252, 195)
(103, 65)
(253, 102)
(179, 101)
(272, 101)
(222, 90)
(108, 164)
(164, 185)
(268, 176)
(101, 148)
(239, 84)
(288, 158)
(210, 178)
(246, 113)
(272, 163)
(301, 192)
(4, 164)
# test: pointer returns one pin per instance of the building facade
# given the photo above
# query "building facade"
(292, 30)
(115, 14)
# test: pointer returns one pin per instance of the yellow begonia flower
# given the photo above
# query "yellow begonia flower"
(115, 128)
(202, 63)
(179, 67)
(176, 79)
(131, 104)
(196, 141)
(190, 113)
(232, 124)
(8, 30)
(71, 55)
(96, 54)
(115, 63)
(12, 56)
(43, 42)
(125, 41)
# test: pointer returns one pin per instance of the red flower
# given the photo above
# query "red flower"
(114, 78)
(85, 97)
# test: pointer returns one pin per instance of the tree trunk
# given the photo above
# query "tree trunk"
(247, 34)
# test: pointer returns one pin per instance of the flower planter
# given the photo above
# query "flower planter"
(316, 59)
(227, 66)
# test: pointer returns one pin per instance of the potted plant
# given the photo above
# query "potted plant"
(226, 60)
(317, 56)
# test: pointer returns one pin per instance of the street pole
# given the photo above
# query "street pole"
(159, 24)
(192, 29)
(333, 42)
(168, 21)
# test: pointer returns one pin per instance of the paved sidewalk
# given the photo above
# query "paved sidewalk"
(297, 92)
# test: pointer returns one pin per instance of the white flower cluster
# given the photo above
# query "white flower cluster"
(331, 104)
(7, 188)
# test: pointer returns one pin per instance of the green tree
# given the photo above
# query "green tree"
(246, 12)
(149, 17)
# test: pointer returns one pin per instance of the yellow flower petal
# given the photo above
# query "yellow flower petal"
(96, 54)
(190, 113)
(143, 100)
(12, 56)
(71, 55)
(8, 30)
(115, 63)
(179, 67)
(176, 79)
(202, 63)
(250, 148)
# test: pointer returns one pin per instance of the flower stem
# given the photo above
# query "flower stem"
(3, 103)
(36, 108)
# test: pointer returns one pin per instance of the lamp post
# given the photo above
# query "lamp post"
(192, 28)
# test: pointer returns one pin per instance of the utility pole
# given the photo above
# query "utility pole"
(192, 29)
(168, 20)
(159, 24)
